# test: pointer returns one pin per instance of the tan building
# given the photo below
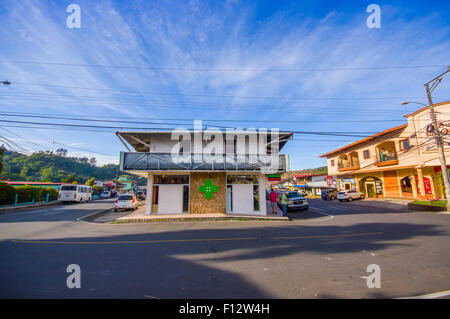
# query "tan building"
(401, 162)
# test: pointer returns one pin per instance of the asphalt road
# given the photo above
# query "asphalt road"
(322, 256)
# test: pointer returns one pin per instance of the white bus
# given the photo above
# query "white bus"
(75, 193)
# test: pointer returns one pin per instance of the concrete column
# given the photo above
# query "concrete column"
(149, 198)
(262, 195)
(413, 185)
(421, 185)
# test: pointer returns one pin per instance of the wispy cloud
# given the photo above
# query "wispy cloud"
(216, 36)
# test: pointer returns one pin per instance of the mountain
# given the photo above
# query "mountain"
(46, 166)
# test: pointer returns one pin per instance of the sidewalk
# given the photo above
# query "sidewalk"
(140, 216)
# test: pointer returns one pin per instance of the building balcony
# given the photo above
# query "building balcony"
(134, 161)
(386, 160)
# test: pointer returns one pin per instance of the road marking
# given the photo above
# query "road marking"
(433, 295)
(132, 241)
(322, 212)
(328, 236)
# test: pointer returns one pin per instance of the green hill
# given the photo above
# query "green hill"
(50, 167)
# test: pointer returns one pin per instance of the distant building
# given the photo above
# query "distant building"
(400, 162)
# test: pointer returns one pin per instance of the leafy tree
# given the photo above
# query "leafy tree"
(93, 161)
(61, 152)
(90, 181)
(2, 151)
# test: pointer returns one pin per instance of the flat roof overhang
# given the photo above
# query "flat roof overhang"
(140, 141)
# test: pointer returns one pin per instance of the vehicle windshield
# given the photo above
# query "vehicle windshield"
(106, 193)
(293, 194)
(126, 197)
(69, 188)
(341, 193)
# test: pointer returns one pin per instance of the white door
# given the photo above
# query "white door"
(243, 199)
(170, 199)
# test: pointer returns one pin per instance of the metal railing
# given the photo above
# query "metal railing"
(133, 161)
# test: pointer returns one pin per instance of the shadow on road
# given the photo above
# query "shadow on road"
(188, 263)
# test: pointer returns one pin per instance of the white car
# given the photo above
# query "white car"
(126, 201)
(105, 195)
(349, 196)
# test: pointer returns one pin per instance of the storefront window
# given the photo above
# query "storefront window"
(406, 185)
(256, 197)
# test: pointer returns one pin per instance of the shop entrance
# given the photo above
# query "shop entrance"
(370, 189)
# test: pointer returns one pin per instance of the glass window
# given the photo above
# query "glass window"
(332, 162)
(406, 185)
(242, 179)
(185, 198)
(69, 188)
(171, 179)
(125, 197)
(256, 197)
(366, 154)
(404, 144)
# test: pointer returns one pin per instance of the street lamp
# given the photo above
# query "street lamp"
(408, 102)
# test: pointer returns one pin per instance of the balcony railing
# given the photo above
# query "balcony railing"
(347, 167)
(131, 161)
(385, 160)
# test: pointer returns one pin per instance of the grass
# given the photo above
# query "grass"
(441, 203)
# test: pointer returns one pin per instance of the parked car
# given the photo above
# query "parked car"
(140, 195)
(349, 196)
(105, 195)
(126, 201)
(329, 194)
(295, 201)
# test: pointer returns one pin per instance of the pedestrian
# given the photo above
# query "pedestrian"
(273, 201)
(284, 203)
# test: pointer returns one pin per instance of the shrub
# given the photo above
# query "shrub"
(7, 194)
(25, 194)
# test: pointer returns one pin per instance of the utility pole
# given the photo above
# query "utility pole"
(438, 137)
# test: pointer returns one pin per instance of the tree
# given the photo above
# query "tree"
(70, 179)
(93, 161)
(90, 181)
(61, 152)
(2, 151)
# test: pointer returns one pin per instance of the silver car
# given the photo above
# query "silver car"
(349, 196)
(294, 201)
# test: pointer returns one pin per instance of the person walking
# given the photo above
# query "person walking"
(284, 203)
(273, 196)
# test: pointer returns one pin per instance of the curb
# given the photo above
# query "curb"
(14, 209)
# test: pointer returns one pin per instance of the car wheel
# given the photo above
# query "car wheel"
(350, 199)
(362, 196)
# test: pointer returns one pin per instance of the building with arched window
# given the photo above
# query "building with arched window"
(400, 162)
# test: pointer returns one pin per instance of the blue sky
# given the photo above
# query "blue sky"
(293, 65)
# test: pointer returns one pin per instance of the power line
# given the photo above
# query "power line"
(166, 68)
